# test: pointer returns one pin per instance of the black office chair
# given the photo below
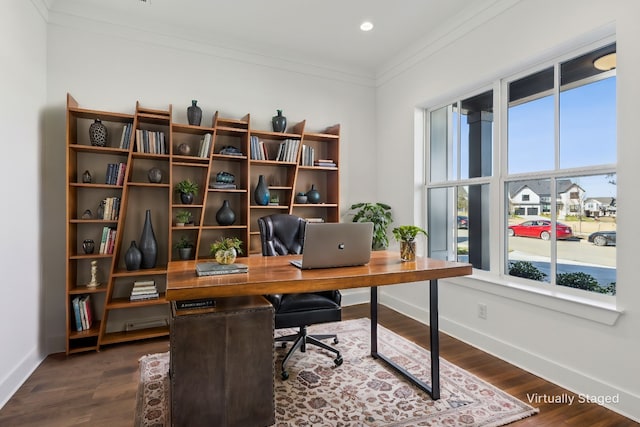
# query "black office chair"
(283, 234)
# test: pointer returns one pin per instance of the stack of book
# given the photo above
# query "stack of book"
(288, 150)
(82, 311)
(214, 268)
(142, 290)
(258, 149)
(325, 163)
(152, 142)
(108, 240)
(115, 173)
(125, 138)
(307, 156)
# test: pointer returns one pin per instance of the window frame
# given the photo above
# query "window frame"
(497, 274)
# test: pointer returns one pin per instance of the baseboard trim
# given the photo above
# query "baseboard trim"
(14, 380)
(570, 379)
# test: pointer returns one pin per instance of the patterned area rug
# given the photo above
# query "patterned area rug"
(361, 392)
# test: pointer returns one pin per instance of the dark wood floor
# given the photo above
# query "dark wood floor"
(99, 389)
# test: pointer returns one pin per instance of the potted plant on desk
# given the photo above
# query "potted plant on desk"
(406, 236)
(226, 249)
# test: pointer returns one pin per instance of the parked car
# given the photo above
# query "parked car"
(540, 228)
(603, 238)
(463, 222)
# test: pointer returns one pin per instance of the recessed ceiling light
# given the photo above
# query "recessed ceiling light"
(366, 26)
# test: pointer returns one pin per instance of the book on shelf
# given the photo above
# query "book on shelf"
(125, 138)
(223, 186)
(107, 241)
(82, 312)
(307, 155)
(214, 268)
(144, 289)
(314, 219)
(205, 145)
(76, 313)
(115, 173)
(258, 149)
(328, 163)
(195, 304)
(152, 142)
(288, 150)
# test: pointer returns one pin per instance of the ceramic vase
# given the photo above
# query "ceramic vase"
(98, 133)
(194, 114)
(225, 215)
(86, 177)
(186, 198)
(88, 246)
(133, 257)
(261, 193)
(313, 196)
(155, 175)
(279, 122)
(148, 245)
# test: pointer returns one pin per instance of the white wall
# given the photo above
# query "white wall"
(105, 68)
(22, 85)
(583, 355)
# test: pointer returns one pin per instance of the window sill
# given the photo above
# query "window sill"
(595, 309)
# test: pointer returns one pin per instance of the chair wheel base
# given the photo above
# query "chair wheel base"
(338, 361)
(285, 375)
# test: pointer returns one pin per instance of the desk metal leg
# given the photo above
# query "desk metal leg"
(434, 340)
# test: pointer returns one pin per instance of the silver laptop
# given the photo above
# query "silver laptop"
(333, 244)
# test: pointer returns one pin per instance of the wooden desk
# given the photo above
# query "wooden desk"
(270, 275)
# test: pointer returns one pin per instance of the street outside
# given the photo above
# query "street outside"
(576, 254)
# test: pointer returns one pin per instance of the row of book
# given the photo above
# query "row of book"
(205, 145)
(288, 150)
(83, 314)
(325, 163)
(149, 141)
(143, 290)
(258, 149)
(125, 138)
(111, 208)
(108, 240)
(115, 173)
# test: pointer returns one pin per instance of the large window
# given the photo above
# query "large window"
(558, 177)
(461, 166)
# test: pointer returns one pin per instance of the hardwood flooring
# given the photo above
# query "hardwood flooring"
(99, 389)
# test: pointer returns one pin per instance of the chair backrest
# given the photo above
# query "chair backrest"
(281, 234)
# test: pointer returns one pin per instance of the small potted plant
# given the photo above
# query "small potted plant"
(226, 249)
(184, 247)
(182, 218)
(380, 215)
(187, 189)
(406, 235)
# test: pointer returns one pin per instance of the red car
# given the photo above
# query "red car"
(539, 228)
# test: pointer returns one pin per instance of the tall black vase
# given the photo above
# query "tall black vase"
(225, 215)
(148, 244)
(279, 122)
(133, 257)
(98, 133)
(194, 114)
(261, 193)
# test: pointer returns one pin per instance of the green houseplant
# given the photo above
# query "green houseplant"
(187, 189)
(406, 236)
(380, 215)
(183, 217)
(184, 247)
(226, 249)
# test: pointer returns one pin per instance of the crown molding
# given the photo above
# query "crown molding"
(179, 41)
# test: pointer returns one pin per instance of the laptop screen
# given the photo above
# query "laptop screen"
(333, 244)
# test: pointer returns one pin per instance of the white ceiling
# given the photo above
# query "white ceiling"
(321, 33)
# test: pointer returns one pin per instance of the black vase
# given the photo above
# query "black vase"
(155, 175)
(313, 196)
(88, 246)
(194, 114)
(98, 133)
(279, 122)
(133, 257)
(186, 198)
(148, 243)
(225, 215)
(261, 193)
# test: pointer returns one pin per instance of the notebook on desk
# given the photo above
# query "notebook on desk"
(335, 244)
